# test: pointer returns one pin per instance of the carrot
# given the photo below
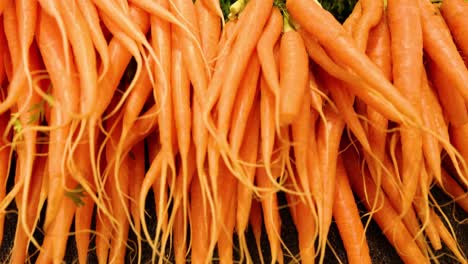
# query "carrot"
(201, 218)
(339, 43)
(271, 215)
(227, 216)
(452, 188)
(386, 217)
(379, 51)
(433, 118)
(328, 140)
(451, 99)
(91, 17)
(346, 215)
(26, 13)
(3, 5)
(293, 64)
(210, 31)
(265, 47)
(180, 214)
(21, 240)
(406, 45)
(245, 103)
(214, 7)
(447, 238)
(248, 153)
(83, 49)
(319, 55)
(301, 131)
(372, 12)
(136, 100)
(251, 23)
(453, 12)
(194, 59)
(255, 219)
(344, 102)
(440, 47)
(4, 167)
(459, 138)
(65, 97)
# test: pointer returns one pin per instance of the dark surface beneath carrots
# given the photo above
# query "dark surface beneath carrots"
(380, 249)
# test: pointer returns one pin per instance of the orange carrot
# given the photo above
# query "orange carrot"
(371, 15)
(293, 69)
(386, 217)
(439, 46)
(406, 45)
(451, 187)
(451, 99)
(248, 153)
(340, 44)
(346, 215)
(210, 31)
(202, 220)
(271, 215)
(379, 51)
(454, 12)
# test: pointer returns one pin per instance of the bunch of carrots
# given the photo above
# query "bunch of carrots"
(108, 106)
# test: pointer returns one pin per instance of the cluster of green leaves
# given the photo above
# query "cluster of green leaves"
(339, 8)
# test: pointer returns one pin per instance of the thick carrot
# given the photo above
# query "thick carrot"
(454, 12)
(85, 57)
(293, 70)
(346, 215)
(245, 101)
(450, 98)
(386, 217)
(439, 46)
(406, 44)
(210, 31)
(91, 17)
(379, 51)
(340, 44)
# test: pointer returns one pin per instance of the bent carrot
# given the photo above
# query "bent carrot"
(346, 215)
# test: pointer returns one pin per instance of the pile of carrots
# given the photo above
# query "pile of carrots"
(105, 104)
